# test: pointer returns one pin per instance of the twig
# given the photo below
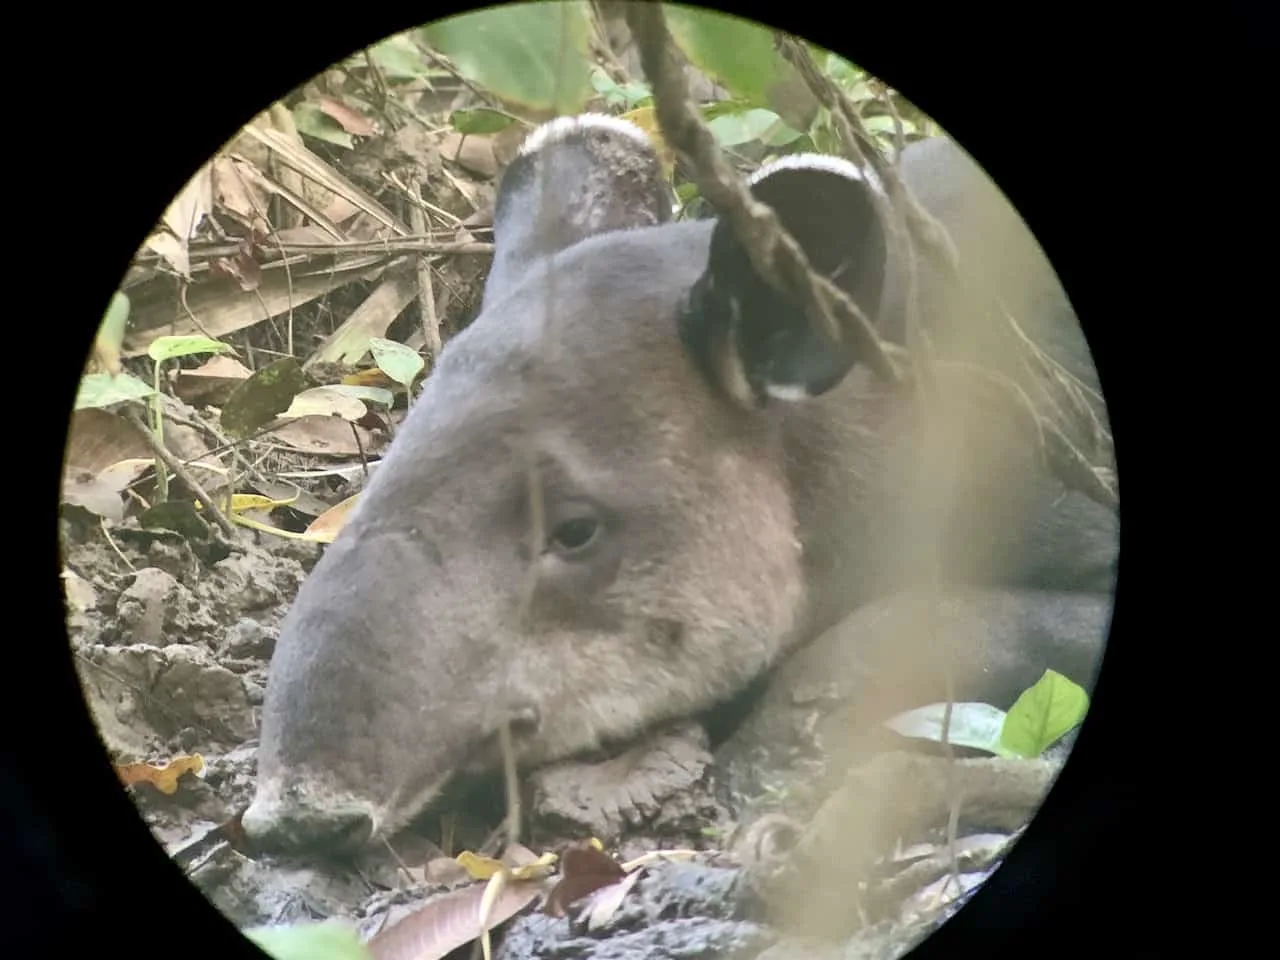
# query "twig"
(931, 238)
(773, 251)
(111, 542)
(181, 472)
(426, 244)
(426, 290)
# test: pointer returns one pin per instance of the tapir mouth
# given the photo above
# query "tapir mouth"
(302, 809)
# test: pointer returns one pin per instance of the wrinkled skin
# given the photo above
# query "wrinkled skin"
(687, 540)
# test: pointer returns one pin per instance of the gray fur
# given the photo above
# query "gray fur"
(731, 534)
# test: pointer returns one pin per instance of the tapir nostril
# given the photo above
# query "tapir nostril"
(351, 829)
(524, 719)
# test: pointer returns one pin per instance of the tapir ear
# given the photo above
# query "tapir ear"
(573, 178)
(754, 343)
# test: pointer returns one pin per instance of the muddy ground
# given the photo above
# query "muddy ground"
(796, 855)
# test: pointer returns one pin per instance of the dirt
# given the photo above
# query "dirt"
(172, 648)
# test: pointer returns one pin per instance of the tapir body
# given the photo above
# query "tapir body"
(640, 477)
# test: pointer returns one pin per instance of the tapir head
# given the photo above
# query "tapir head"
(585, 525)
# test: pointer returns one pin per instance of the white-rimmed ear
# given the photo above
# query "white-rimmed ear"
(750, 341)
(573, 177)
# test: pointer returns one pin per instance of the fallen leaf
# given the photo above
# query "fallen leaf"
(262, 397)
(373, 377)
(351, 120)
(90, 492)
(449, 921)
(484, 868)
(326, 436)
(472, 153)
(243, 268)
(604, 903)
(164, 776)
(212, 382)
(584, 869)
(325, 402)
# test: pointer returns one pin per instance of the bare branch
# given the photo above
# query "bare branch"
(772, 250)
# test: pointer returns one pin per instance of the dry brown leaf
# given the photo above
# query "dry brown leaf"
(309, 165)
(101, 492)
(473, 153)
(449, 921)
(191, 205)
(350, 342)
(241, 194)
(173, 250)
(211, 382)
(326, 526)
(97, 439)
(351, 120)
(584, 869)
(182, 219)
(325, 402)
(221, 307)
(324, 436)
(164, 777)
(604, 903)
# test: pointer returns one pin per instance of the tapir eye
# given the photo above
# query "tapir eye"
(575, 534)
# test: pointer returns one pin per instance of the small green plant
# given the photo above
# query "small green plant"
(1042, 715)
(309, 941)
(170, 348)
(402, 364)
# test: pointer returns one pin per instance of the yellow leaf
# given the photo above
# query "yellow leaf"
(241, 502)
(480, 868)
(373, 377)
(646, 118)
(164, 776)
(542, 867)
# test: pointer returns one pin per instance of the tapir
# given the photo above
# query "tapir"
(641, 477)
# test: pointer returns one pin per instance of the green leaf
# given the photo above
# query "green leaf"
(533, 54)
(102, 390)
(397, 361)
(399, 58)
(738, 54)
(111, 332)
(730, 130)
(480, 120)
(634, 94)
(310, 941)
(883, 124)
(260, 399)
(180, 516)
(166, 348)
(686, 191)
(975, 725)
(1043, 714)
(314, 122)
